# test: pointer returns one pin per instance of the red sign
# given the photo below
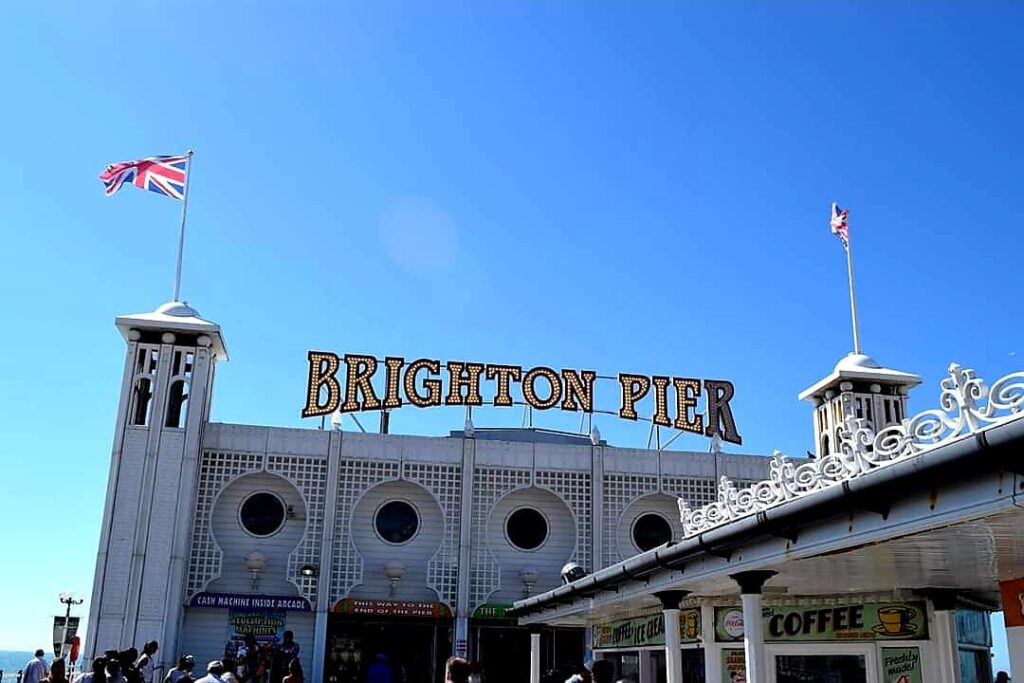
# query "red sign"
(1013, 602)
(393, 608)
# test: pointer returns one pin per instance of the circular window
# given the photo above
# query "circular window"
(262, 514)
(396, 522)
(650, 531)
(526, 528)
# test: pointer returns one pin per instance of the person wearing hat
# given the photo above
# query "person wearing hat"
(184, 668)
(214, 670)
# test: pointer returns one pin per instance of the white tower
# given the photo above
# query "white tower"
(165, 403)
(858, 387)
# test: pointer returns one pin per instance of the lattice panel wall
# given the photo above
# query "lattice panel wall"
(445, 483)
(309, 476)
(216, 470)
(694, 490)
(619, 491)
(489, 485)
(574, 489)
(354, 478)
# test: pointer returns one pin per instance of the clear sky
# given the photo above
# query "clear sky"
(618, 186)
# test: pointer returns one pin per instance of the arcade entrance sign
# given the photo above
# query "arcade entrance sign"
(426, 382)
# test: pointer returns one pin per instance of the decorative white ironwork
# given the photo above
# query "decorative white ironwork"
(861, 450)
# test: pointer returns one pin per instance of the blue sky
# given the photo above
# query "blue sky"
(624, 187)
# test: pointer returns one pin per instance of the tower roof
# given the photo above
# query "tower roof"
(858, 366)
(174, 316)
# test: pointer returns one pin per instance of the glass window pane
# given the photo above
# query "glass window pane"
(820, 669)
(397, 522)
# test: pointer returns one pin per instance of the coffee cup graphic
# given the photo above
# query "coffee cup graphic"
(895, 620)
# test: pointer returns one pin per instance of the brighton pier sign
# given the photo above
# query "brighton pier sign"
(426, 383)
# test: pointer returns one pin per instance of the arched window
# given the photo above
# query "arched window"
(177, 404)
(142, 397)
(824, 445)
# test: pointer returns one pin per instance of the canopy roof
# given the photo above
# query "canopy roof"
(174, 316)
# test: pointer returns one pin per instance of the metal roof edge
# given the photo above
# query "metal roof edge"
(995, 440)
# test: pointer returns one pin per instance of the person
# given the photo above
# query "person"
(1002, 677)
(36, 669)
(58, 672)
(476, 672)
(582, 675)
(380, 671)
(249, 659)
(113, 672)
(229, 675)
(603, 671)
(456, 670)
(127, 659)
(284, 654)
(214, 670)
(294, 672)
(96, 673)
(184, 667)
(147, 662)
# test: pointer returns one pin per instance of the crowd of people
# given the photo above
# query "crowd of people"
(253, 663)
(248, 663)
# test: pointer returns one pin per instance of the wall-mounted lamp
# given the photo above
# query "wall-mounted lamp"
(394, 570)
(309, 571)
(529, 578)
(255, 562)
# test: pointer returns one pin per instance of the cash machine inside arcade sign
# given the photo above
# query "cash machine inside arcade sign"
(700, 406)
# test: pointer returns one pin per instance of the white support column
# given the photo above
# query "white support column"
(753, 638)
(596, 506)
(460, 646)
(670, 601)
(712, 650)
(323, 592)
(750, 584)
(947, 657)
(534, 658)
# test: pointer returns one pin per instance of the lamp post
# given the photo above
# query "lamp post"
(529, 577)
(68, 599)
(394, 571)
(255, 562)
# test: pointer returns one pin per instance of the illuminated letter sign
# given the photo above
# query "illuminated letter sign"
(423, 384)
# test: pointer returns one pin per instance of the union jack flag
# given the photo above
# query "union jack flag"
(838, 224)
(165, 175)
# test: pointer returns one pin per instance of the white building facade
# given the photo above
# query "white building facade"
(359, 543)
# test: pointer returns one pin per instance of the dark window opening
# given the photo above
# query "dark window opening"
(526, 529)
(397, 522)
(262, 514)
(142, 395)
(650, 531)
(177, 405)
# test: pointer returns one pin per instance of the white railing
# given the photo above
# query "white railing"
(861, 450)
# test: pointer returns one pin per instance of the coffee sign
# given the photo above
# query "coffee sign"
(426, 382)
(855, 621)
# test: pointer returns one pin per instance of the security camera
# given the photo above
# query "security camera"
(572, 572)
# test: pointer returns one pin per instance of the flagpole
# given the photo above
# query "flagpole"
(181, 231)
(853, 298)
